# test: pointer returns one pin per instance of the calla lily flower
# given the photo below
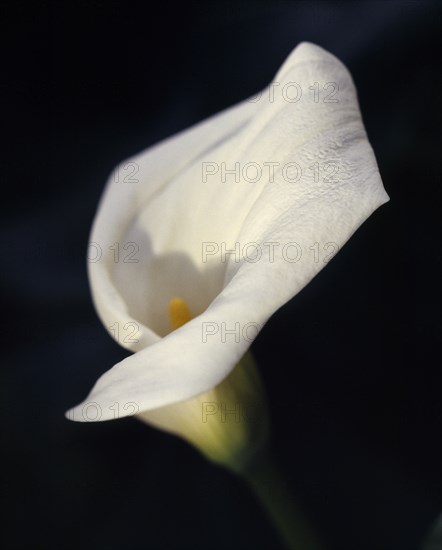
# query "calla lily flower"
(233, 217)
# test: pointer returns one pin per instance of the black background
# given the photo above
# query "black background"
(349, 363)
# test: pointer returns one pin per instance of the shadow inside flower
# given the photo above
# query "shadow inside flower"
(147, 281)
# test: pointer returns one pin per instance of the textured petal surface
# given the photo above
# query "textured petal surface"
(319, 182)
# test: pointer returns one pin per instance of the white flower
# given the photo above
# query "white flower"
(281, 181)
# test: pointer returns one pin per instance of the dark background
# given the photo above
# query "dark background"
(349, 363)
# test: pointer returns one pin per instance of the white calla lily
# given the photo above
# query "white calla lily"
(231, 216)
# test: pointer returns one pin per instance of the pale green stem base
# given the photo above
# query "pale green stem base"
(268, 485)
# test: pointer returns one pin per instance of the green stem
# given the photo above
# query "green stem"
(268, 485)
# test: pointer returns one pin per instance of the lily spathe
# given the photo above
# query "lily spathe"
(183, 220)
